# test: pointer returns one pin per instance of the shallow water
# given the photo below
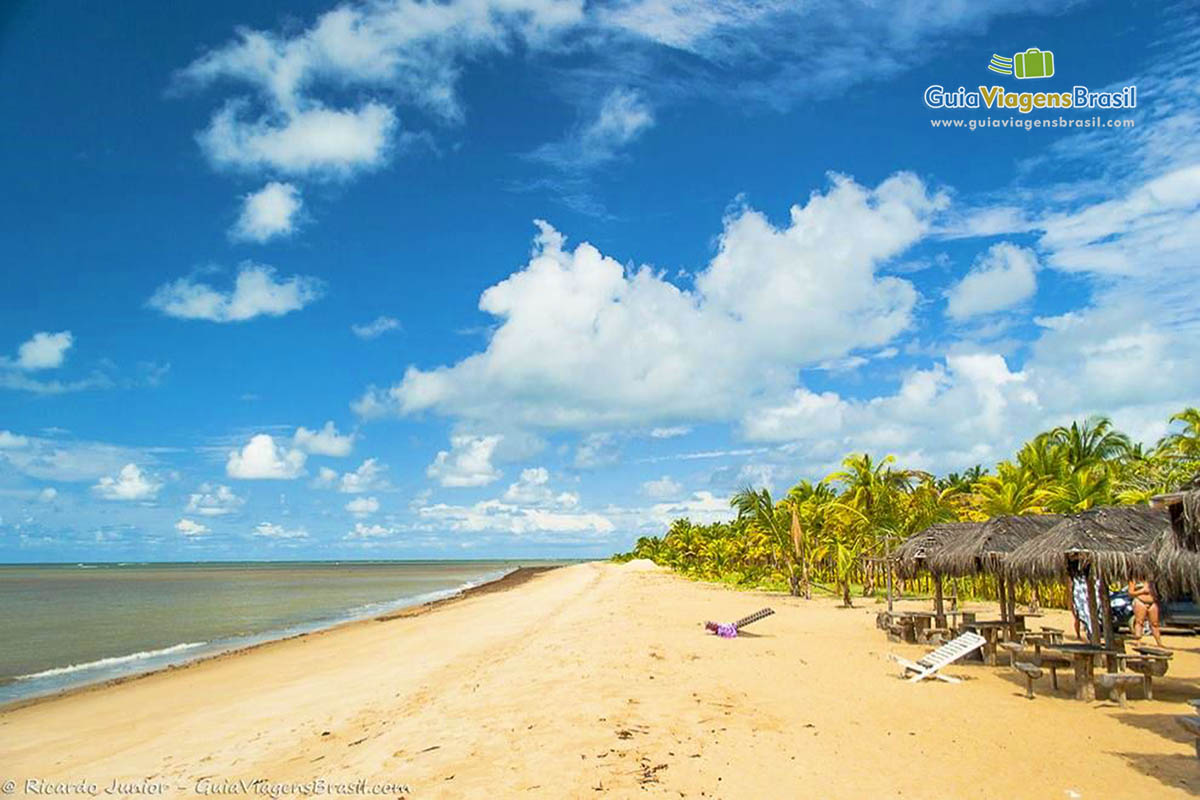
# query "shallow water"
(66, 625)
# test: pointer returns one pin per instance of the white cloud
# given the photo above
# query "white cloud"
(362, 506)
(269, 212)
(497, 516)
(664, 488)
(263, 459)
(48, 495)
(214, 501)
(1001, 278)
(623, 115)
(533, 489)
(806, 411)
(302, 142)
(468, 462)
(670, 432)
(130, 484)
(324, 442)
(597, 450)
(255, 292)
(368, 477)
(363, 531)
(701, 507)
(8, 440)
(606, 347)
(269, 530)
(188, 527)
(375, 328)
(43, 350)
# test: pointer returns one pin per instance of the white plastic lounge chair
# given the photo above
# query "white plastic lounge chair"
(944, 656)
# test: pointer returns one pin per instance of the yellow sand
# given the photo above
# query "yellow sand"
(597, 679)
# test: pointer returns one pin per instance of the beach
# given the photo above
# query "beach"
(595, 680)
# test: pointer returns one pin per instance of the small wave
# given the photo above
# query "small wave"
(114, 661)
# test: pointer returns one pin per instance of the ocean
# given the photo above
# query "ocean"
(68, 625)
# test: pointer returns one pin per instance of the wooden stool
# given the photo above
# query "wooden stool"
(1118, 683)
(1014, 651)
(1031, 674)
(1053, 663)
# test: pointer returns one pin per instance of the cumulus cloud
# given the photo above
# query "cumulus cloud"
(1003, 277)
(263, 459)
(214, 501)
(605, 346)
(48, 495)
(362, 506)
(368, 477)
(317, 140)
(468, 462)
(129, 484)
(187, 527)
(267, 213)
(269, 530)
(376, 327)
(324, 442)
(533, 488)
(364, 531)
(255, 292)
(664, 488)
(43, 351)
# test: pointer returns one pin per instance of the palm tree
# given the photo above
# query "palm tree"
(1091, 443)
(1012, 490)
(1184, 443)
(1079, 491)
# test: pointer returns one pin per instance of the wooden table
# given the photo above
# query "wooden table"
(991, 631)
(1083, 658)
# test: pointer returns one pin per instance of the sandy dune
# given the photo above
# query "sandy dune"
(597, 679)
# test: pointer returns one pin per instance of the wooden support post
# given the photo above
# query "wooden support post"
(939, 609)
(1093, 612)
(1003, 600)
(1012, 609)
(1105, 609)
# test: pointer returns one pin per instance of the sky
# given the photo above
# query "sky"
(531, 278)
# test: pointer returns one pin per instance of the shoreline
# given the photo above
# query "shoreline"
(598, 679)
(506, 581)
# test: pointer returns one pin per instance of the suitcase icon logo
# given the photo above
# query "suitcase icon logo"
(1033, 63)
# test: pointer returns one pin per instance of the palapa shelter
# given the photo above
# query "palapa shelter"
(985, 550)
(1177, 552)
(912, 556)
(1103, 543)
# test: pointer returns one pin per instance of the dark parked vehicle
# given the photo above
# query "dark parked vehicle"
(1177, 612)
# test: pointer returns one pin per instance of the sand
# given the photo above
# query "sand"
(597, 680)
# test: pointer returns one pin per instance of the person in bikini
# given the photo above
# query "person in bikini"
(1145, 606)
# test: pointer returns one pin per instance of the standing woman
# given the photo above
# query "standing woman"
(1079, 604)
(1145, 605)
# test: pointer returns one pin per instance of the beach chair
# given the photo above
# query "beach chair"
(730, 630)
(944, 656)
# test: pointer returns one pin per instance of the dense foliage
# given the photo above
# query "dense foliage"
(834, 532)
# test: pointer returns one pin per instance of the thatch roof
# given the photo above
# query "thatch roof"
(1184, 509)
(1176, 568)
(1120, 539)
(911, 556)
(986, 548)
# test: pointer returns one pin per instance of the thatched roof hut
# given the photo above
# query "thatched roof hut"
(986, 548)
(913, 553)
(1119, 540)
(1184, 509)
(1176, 568)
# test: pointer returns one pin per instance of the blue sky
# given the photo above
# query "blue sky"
(532, 277)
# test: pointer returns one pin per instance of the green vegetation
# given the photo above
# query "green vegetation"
(831, 534)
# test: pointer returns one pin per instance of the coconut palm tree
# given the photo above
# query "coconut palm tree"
(1184, 443)
(1012, 490)
(1090, 443)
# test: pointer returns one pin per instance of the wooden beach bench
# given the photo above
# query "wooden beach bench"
(1118, 684)
(929, 665)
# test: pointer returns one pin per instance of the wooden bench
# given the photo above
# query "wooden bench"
(1031, 674)
(1014, 651)
(935, 636)
(1118, 684)
(1192, 726)
(1148, 665)
(1053, 635)
(1052, 662)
